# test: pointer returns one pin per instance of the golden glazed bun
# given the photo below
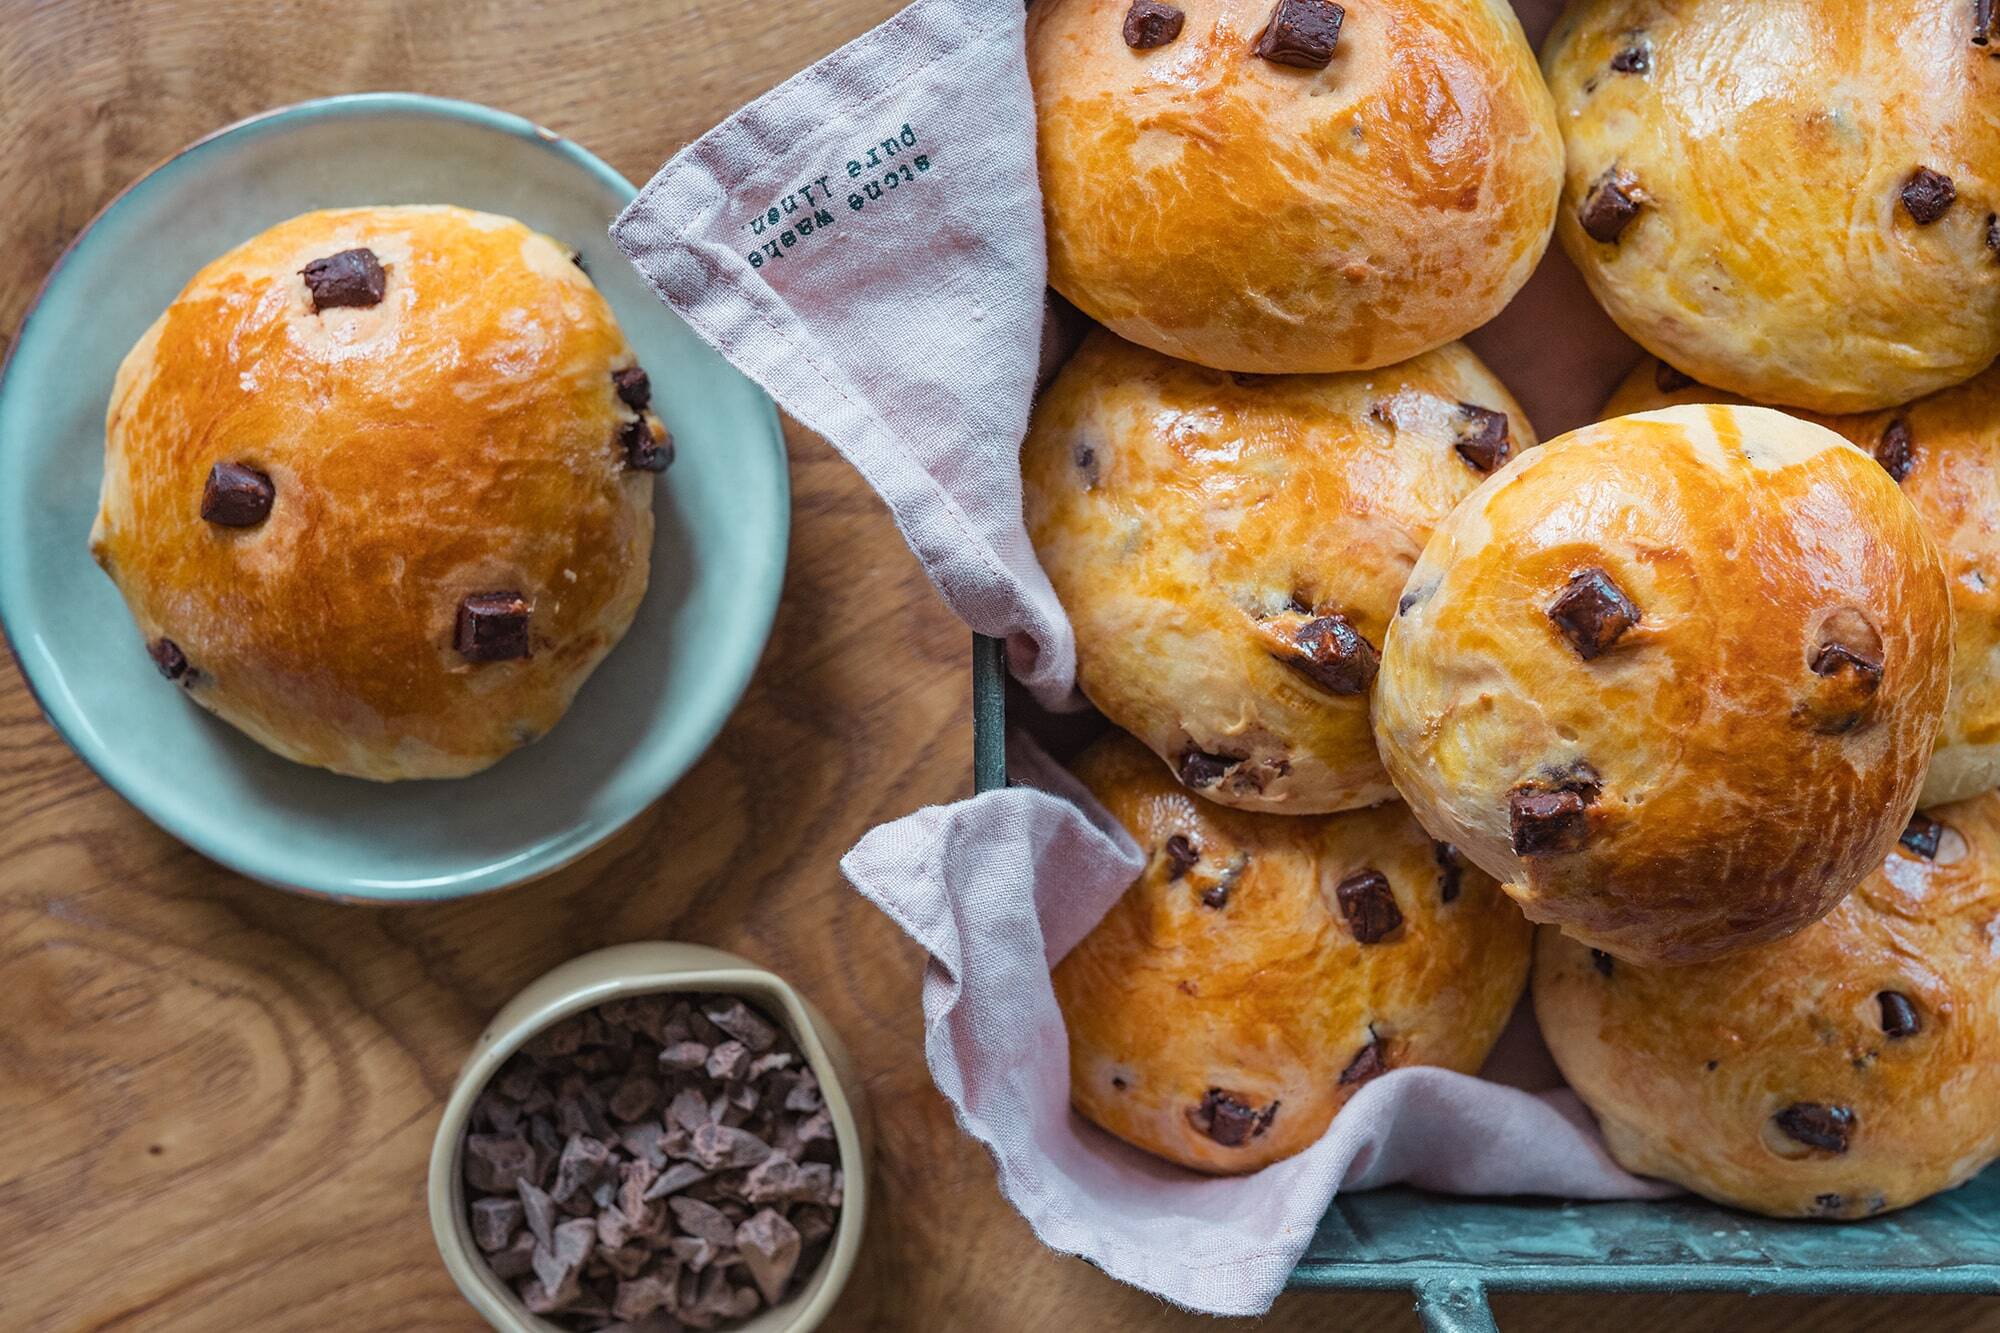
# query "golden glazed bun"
(1262, 968)
(1790, 199)
(1236, 210)
(1229, 549)
(1850, 1069)
(1673, 679)
(376, 488)
(1945, 451)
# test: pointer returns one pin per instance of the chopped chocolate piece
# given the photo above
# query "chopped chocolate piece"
(633, 387)
(1181, 856)
(1921, 836)
(1483, 437)
(1333, 655)
(776, 1179)
(516, 1260)
(1899, 1016)
(632, 1259)
(236, 496)
(641, 1296)
(1451, 870)
(644, 451)
(642, 1141)
(1669, 380)
(636, 1098)
(819, 1183)
(558, 1266)
(564, 1038)
(1592, 612)
(703, 1220)
(1228, 1119)
(1369, 905)
(720, 1148)
(688, 1109)
(1601, 961)
(1849, 662)
(814, 1223)
(169, 658)
(804, 1095)
(674, 1179)
(770, 1249)
(494, 1162)
(1216, 895)
(584, 1162)
(494, 1222)
(769, 1062)
(695, 1251)
(1827, 1128)
(350, 278)
(1199, 769)
(1371, 1062)
(728, 1060)
(1148, 24)
(1545, 822)
(493, 627)
(1927, 194)
(1893, 450)
(1301, 33)
(1614, 200)
(684, 1055)
(736, 1019)
(1632, 60)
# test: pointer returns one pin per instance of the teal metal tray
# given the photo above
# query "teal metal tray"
(1449, 1252)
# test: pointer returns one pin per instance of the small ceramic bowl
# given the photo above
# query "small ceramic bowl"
(721, 518)
(623, 971)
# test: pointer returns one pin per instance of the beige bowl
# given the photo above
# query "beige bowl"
(648, 969)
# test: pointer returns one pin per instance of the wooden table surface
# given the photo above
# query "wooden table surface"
(216, 1100)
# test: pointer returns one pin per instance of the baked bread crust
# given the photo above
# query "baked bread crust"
(1259, 216)
(1946, 448)
(1847, 1070)
(1262, 961)
(1801, 198)
(1229, 550)
(457, 435)
(1674, 678)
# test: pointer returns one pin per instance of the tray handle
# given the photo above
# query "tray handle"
(1454, 1305)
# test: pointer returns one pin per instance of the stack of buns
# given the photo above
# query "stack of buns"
(1709, 690)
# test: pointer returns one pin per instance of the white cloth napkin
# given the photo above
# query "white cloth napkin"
(865, 242)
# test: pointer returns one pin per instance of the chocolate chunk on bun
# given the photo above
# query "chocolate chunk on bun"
(1784, 199)
(1847, 1070)
(1673, 679)
(1291, 185)
(379, 477)
(1223, 1030)
(1944, 452)
(1229, 549)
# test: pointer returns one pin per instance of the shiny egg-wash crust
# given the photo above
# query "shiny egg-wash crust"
(1262, 969)
(1674, 679)
(454, 432)
(1790, 199)
(1229, 549)
(1944, 450)
(1850, 1069)
(1246, 213)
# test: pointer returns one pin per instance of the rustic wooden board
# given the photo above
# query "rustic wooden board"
(216, 1100)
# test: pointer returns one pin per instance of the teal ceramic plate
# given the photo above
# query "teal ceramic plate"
(640, 722)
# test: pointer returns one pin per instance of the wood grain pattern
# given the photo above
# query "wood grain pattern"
(217, 1100)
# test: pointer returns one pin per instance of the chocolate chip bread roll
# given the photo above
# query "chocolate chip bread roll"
(1674, 679)
(1290, 185)
(1229, 549)
(1850, 1069)
(378, 488)
(1262, 969)
(1944, 451)
(1789, 199)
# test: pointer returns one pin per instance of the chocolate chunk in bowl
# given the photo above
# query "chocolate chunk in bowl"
(642, 1181)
